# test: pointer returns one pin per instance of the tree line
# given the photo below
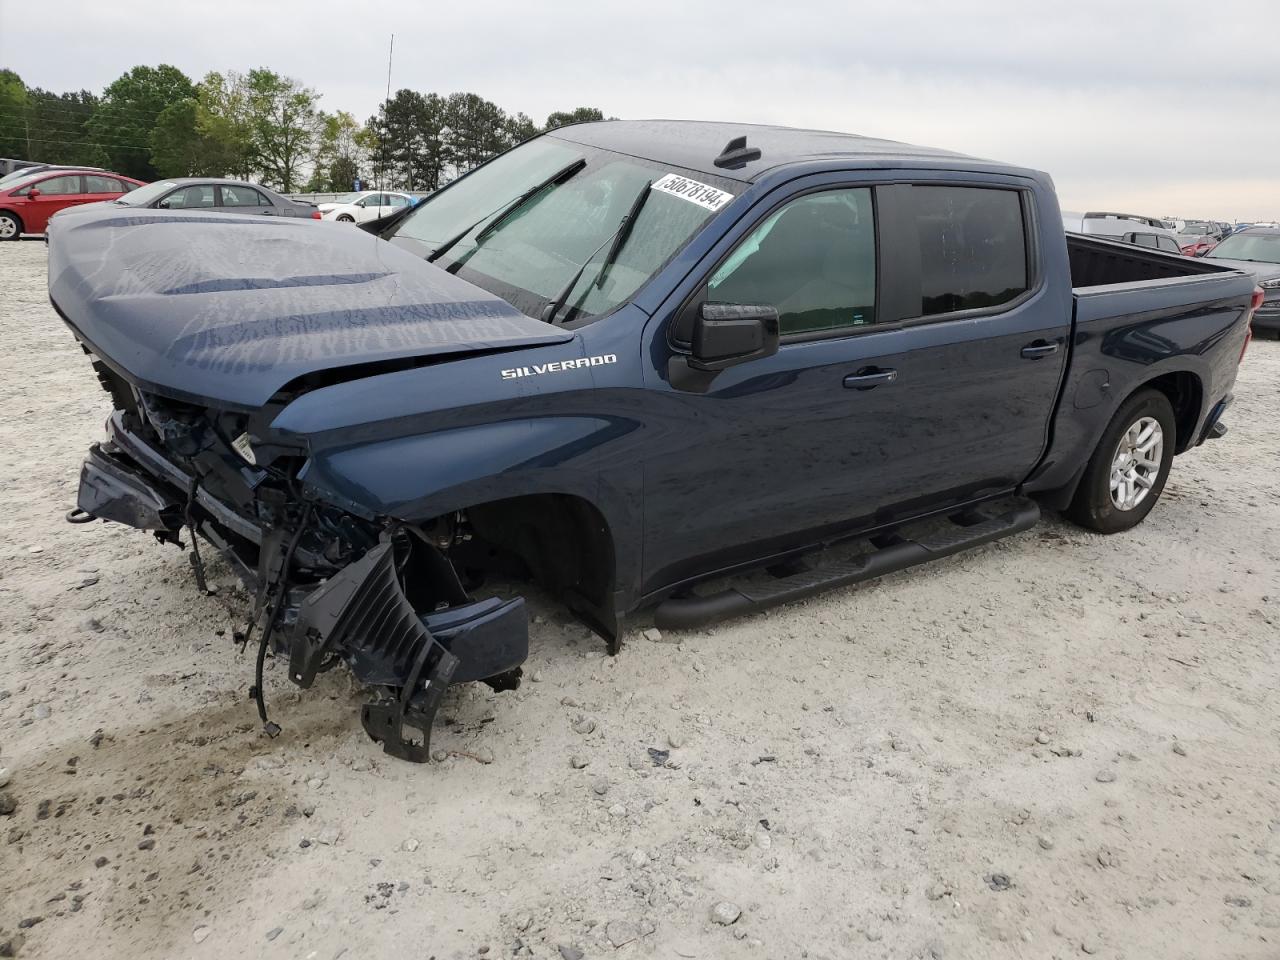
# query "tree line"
(155, 122)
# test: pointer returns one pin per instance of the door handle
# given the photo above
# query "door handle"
(869, 377)
(1038, 349)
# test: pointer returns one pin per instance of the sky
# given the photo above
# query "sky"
(1158, 107)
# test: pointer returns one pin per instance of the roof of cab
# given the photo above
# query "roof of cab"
(695, 144)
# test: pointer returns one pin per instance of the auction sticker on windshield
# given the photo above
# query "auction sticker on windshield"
(693, 191)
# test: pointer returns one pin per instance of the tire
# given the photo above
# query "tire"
(10, 226)
(345, 218)
(1096, 505)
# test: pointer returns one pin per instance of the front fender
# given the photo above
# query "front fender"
(416, 478)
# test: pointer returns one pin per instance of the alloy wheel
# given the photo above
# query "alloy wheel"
(1136, 463)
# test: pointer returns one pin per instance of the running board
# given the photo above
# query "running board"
(688, 612)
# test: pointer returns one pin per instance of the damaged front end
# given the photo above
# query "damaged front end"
(330, 586)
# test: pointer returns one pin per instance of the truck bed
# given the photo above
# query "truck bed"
(1097, 263)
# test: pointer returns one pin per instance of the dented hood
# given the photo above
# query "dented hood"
(226, 309)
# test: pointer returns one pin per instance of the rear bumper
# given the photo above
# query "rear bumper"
(1267, 316)
(360, 615)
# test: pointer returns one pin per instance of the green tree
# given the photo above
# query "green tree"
(518, 129)
(14, 117)
(123, 120)
(284, 126)
(223, 120)
(579, 115)
(411, 148)
(477, 130)
(341, 152)
(59, 127)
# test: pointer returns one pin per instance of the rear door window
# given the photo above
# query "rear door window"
(238, 196)
(814, 260)
(98, 184)
(973, 247)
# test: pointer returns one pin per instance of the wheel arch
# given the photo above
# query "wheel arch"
(17, 217)
(1185, 391)
(567, 545)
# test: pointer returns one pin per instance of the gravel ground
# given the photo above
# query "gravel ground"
(1060, 743)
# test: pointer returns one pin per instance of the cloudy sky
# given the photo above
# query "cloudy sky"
(1165, 107)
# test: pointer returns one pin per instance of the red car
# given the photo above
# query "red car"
(27, 205)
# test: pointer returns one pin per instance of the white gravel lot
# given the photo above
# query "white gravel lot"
(1060, 743)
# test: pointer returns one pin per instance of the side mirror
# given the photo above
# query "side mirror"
(725, 334)
(32, 193)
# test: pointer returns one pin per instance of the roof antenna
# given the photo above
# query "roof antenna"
(737, 154)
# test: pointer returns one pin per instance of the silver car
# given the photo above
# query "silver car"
(211, 194)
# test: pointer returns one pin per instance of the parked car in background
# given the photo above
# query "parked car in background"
(23, 172)
(365, 206)
(1196, 238)
(1114, 225)
(27, 203)
(214, 194)
(1240, 226)
(1256, 250)
(1156, 241)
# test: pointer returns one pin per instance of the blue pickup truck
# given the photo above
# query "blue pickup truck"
(624, 360)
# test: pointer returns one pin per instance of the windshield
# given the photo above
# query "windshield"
(145, 195)
(346, 198)
(535, 251)
(23, 180)
(20, 174)
(1258, 247)
(1195, 229)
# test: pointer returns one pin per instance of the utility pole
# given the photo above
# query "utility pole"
(382, 164)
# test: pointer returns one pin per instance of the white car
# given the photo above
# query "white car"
(367, 205)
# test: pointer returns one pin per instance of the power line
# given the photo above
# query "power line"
(132, 113)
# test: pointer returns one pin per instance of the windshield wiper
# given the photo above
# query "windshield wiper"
(624, 232)
(507, 209)
(618, 238)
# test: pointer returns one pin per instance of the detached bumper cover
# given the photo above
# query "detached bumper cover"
(363, 613)
(112, 489)
(359, 616)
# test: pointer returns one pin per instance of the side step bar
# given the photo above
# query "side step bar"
(687, 612)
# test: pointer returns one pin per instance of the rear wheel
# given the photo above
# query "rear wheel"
(10, 226)
(1127, 471)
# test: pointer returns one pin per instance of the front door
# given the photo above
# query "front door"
(918, 366)
(372, 207)
(54, 194)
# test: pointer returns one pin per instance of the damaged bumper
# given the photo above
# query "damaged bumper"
(360, 614)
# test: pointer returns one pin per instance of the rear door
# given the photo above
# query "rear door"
(918, 367)
(99, 187)
(242, 198)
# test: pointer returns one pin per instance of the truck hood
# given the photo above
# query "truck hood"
(225, 310)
